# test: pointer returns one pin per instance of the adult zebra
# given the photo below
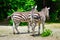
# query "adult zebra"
(18, 17)
(40, 18)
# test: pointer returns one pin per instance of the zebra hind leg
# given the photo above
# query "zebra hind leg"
(16, 27)
(13, 28)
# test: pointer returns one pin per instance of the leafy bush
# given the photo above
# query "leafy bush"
(20, 6)
(46, 33)
(23, 24)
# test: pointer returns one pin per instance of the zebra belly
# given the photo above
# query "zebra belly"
(21, 20)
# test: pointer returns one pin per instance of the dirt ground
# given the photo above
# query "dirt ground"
(6, 33)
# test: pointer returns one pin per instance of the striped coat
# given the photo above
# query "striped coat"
(18, 17)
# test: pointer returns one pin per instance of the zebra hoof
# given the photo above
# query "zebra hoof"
(28, 31)
(32, 35)
(18, 33)
(14, 33)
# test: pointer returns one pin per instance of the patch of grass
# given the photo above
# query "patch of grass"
(46, 33)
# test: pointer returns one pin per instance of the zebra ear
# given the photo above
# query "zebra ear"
(48, 7)
(36, 6)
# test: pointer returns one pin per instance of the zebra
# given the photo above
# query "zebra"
(18, 17)
(40, 18)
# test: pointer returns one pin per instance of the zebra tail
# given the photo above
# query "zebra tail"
(9, 17)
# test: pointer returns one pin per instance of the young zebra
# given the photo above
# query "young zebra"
(40, 18)
(18, 17)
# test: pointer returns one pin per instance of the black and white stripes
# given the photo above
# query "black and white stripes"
(18, 17)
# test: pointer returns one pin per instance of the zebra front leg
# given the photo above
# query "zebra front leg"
(42, 27)
(28, 27)
(38, 28)
(33, 31)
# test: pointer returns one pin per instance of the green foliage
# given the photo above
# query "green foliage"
(54, 0)
(26, 6)
(7, 7)
(20, 6)
(53, 16)
(23, 24)
(46, 33)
